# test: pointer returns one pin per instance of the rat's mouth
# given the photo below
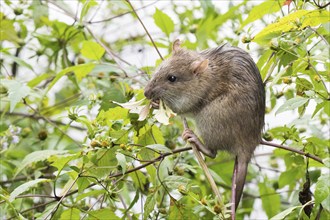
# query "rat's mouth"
(155, 103)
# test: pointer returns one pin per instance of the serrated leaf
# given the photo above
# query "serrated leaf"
(289, 23)
(258, 11)
(60, 161)
(92, 50)
(285, 213)
(159, 148)
(149, 205)
(292, 104)
(24, 187)
(121, 161)
(102, 214)
(164, 22)
(16, 91)
(37, 156)
(173, 182)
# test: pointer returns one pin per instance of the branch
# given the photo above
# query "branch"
(292, 150)
(37, 117)
(145, 29)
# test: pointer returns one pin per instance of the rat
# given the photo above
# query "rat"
(222, 91)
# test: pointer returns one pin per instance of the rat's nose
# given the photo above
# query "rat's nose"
(148, 91)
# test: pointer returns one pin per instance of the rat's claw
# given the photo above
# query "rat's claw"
(190, 136)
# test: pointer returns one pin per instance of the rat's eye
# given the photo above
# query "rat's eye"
(171, 78)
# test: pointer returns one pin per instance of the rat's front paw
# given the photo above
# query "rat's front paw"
(190, 136)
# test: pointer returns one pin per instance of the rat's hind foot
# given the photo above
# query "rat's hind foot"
(190, 136)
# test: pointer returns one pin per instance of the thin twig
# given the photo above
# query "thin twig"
(60, 201)
(145, 29)
(37, 117)
(120, 15)
(292, 150)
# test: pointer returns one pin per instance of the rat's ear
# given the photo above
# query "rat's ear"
(176, 46)
(199, 66)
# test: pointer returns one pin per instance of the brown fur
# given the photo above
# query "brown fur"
(226, 98)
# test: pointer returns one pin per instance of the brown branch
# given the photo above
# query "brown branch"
(37, 117)
(145, 29)
(21, 178)
(292, 150)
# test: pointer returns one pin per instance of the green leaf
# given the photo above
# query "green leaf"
(60, 161)
(37, 156)
(16, 91)
(149, 205)
(24, 187)
(90, 194)
(164, 22)
(159, 148)
(16, 59)
(322, 188)
(121, 161)
(173, 182)
(35, 81)
(79, 70)
(71, 213)
(285, 213)
(82, 183)
(87, 5)
(102, 214)
(270, 199)
(258, 11)
(288, 177)
(92, 50)
(295, 21)
(7, 31)
(292, 104)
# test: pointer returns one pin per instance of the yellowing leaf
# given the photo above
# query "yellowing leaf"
(295, 21)
(259, 11)
(92, 50)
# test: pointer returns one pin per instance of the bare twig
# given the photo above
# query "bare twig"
(292, 150)
(60, 201)
(145, 29)
(120, 15)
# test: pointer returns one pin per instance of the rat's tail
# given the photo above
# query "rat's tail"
(239, 175)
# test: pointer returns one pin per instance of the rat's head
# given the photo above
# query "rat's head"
(179, 80)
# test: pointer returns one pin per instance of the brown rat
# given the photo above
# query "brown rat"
(221, 89)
